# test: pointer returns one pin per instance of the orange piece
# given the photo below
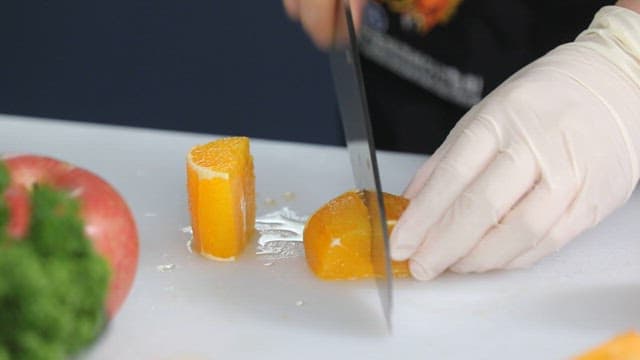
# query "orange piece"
(337, 237)
(622, 347)
(221, 189)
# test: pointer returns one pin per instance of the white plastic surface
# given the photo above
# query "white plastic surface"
(203, 309)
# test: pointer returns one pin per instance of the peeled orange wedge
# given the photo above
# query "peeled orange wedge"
(622, 347)
(337, 237)
(221, 189)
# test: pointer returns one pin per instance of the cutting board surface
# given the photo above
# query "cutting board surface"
(186, 307)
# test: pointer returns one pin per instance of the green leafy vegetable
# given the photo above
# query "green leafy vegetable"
(4, 209)
(4, 177)
(53, 285)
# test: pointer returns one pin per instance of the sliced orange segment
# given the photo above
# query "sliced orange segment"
(221, 189)
(622, 347)
(337, 237)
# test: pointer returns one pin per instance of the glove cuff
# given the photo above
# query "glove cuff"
(615, 34)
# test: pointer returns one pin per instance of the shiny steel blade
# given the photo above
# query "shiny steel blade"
(348, 82)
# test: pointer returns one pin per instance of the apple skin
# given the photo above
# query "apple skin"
(108, 221)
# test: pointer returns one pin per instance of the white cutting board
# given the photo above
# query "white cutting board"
(202, 309)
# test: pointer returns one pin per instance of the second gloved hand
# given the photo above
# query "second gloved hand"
(545, 156)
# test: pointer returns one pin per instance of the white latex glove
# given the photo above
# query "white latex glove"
(545, 156)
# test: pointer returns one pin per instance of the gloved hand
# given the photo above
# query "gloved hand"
(545, 156)
(318, 18)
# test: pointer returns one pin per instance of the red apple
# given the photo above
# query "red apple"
(108, 221)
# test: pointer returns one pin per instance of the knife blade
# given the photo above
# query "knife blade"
(349, 86)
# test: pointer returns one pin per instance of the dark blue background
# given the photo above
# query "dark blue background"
(225, 67)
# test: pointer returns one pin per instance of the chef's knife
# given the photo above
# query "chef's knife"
(347, 78)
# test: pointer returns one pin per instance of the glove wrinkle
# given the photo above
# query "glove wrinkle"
(624, 132)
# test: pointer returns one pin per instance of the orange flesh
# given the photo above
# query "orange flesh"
(221, 189)
(337, 237)
(622, 347)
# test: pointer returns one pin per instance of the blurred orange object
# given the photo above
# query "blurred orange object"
(622, 347)
(221, 189)
(426, 14)
(337, 237)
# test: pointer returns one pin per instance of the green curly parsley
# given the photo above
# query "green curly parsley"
(53, 285)
(4, 209)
